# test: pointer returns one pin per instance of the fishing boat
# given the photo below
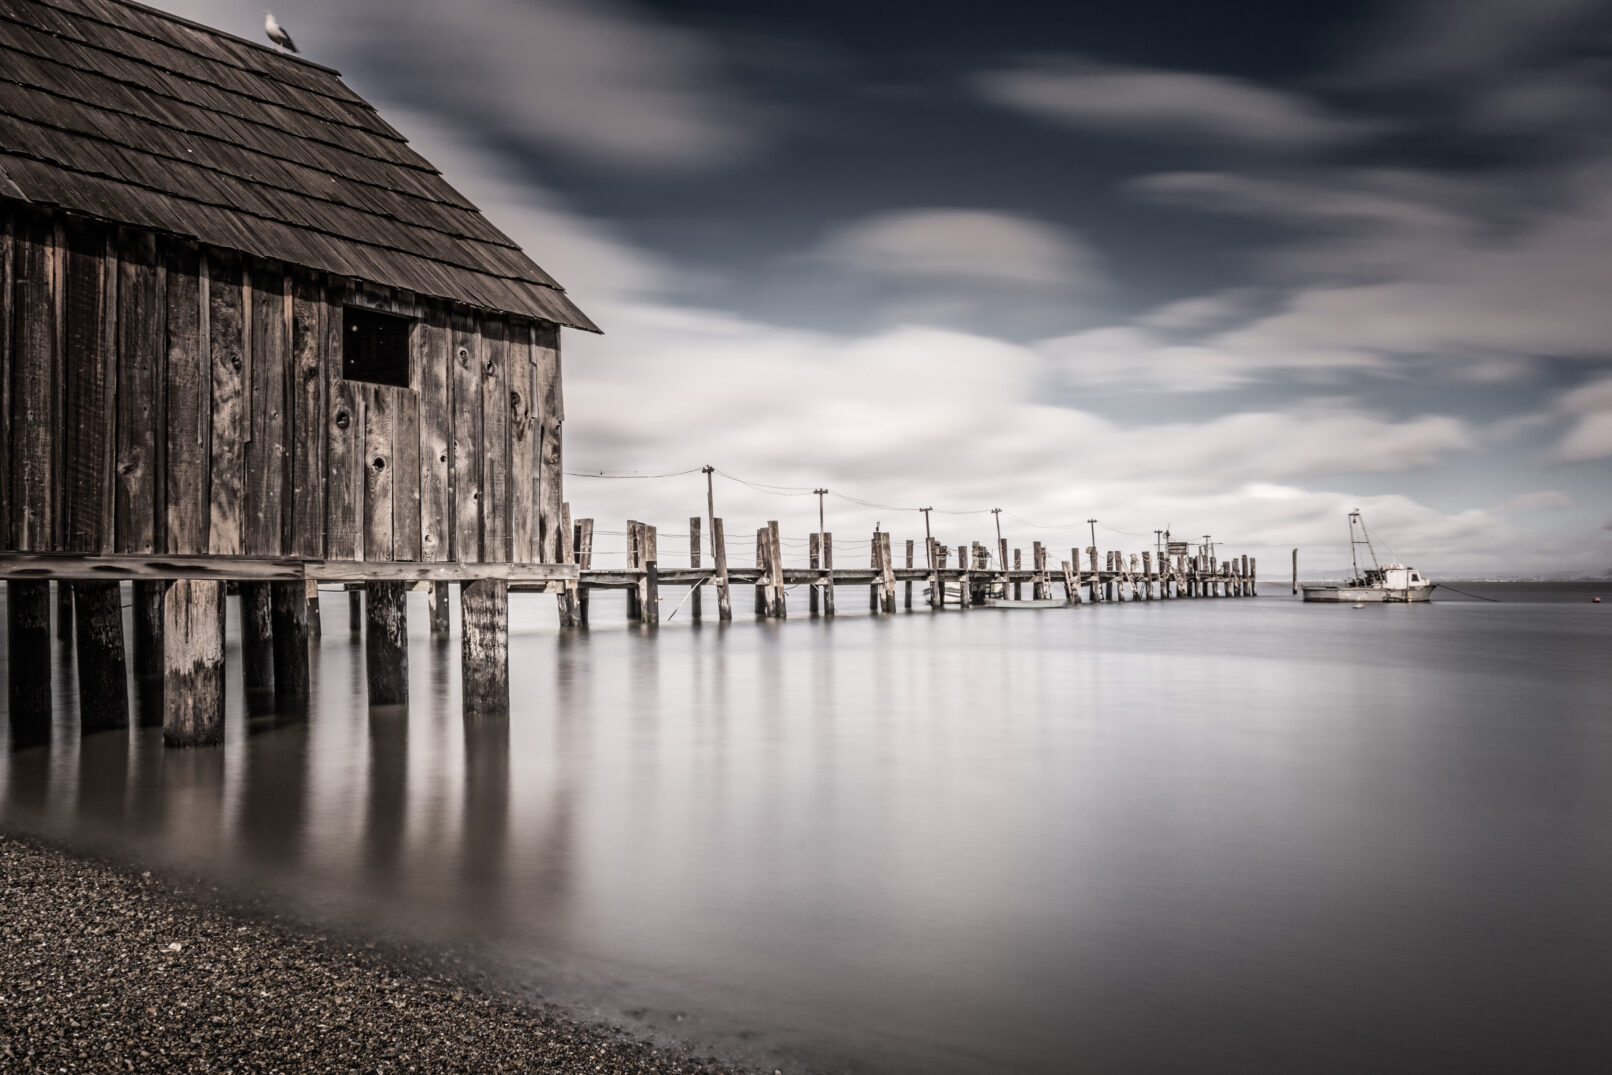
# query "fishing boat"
(1379, 583)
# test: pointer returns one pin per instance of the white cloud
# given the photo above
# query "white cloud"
(962, 244)
(1083, 93)
(1543, 500)
(1590, 409)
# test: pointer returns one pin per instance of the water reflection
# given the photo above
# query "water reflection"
(1213, 834)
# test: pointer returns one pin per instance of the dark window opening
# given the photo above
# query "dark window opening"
(375, 347)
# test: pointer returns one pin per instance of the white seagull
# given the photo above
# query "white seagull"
(276, 33)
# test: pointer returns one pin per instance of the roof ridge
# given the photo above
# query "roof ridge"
(92, 46)
(292, 57)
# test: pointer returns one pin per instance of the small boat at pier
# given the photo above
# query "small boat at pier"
(1380, 583)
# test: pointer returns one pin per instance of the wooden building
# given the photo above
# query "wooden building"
(246, 332)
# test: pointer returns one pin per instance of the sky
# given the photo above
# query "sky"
(1230, 269)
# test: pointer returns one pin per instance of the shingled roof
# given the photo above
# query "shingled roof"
(122, 112)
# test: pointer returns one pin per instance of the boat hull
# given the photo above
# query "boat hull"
(1367, 595)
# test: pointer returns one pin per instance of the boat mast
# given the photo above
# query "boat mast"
(1353, 560)
(1363, 539)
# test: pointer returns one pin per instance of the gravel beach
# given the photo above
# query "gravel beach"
(108, 969)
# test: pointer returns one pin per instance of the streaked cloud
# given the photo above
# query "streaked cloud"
(1079, 92)
(962, 244)
(1589, 409)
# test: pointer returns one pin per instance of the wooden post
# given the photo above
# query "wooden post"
(651, 598)
(939, 593)
(649, 582)
(484, 606)
(193, 663)
(315, 625)
(814, 560)
(1002, 562)
(724, 605)
(1071, 585)
(291, 643)
(257, 636)
(965, 597)
(876, 547)
(635, 560)
(28, 654)
(355, 612)
(1074, 558)
(763, 608)
(565, 601)
(907, 597)
(64, 614)
(440, 625)
(1147, 576)
(1038, 562)
(1253, 577)
(1295, 571)
(828, 574)
(148, 630)
(775, 567)
(694, 562)
(1096, 575)
(103, 675)
(887, 566)
(386, 642)
(584, 554)
(1018, 587)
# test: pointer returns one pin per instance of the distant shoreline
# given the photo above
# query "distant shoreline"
(107, 967)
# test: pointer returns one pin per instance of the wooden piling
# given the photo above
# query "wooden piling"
(103, 676)
(29, 664)
(484, 626)
(1071, 584)
(440, 624)
(1096, 576)
(719, 549)
(1018, 587)
(584, 553)
(386, 642)
(1253, 577)
(965, 596)
(763, 574)
(694, 562)
(290, 612)
(1295, 571)
(1038, 563)
(193, 663)
(565, 601)
(775, 568)
(828, 568)
(814, 560)
(1074, 570)
(257, 636)
(649, 582)
(635, 560)
(939, 592)
(888, 570)
(875, 550)
(148, 630)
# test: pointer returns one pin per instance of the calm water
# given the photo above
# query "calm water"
(1166, 837)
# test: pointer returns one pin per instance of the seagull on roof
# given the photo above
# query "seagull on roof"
(276, 33)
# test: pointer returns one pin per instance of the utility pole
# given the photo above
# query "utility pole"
(929, 542)
(1001, 551)
(820, 494)
(1093, 524)
(1158, 545)
(710, 508)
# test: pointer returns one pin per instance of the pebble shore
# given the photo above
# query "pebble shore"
(108, 969)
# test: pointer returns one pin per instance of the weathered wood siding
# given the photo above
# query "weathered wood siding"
(165, 398)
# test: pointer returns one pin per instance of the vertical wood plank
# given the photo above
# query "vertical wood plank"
(33, 418)
(431, 361)
(267, 453)
(345, 465)
(464, 457)
(226, 333)
(189, 397)
(142, 346)
(308, 342)
(495, 413)
(551, 418)
(379, 410)
(524, 435)
(7, 276)
(89, 362)
(405, 475)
